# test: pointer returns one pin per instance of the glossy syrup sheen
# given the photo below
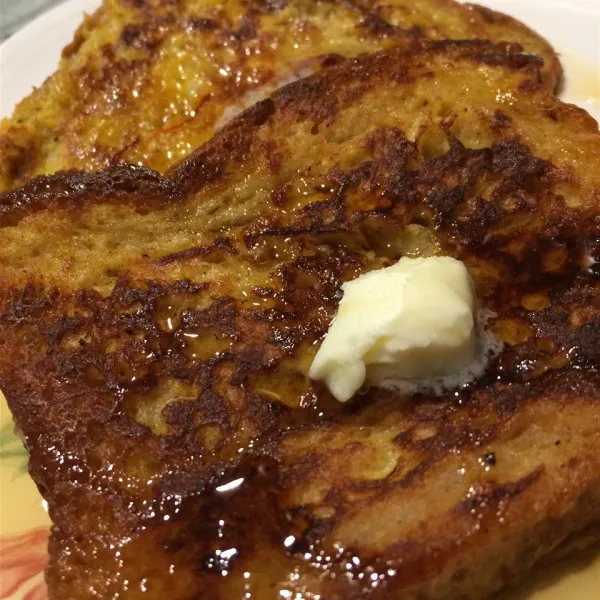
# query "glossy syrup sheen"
(148, 82)
(218, 471)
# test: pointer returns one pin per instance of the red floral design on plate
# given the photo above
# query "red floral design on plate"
(23, 558)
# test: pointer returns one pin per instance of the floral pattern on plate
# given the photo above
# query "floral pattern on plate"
(22, 562)
(24, 525)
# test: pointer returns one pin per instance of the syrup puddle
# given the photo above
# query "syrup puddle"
(581, 84)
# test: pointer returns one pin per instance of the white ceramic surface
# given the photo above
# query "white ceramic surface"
(573, 27)
(32, 54)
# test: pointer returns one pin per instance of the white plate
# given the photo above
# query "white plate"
(572, 26)
(31, 55)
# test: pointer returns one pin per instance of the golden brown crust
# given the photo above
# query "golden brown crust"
(148, 82)
(156, 332)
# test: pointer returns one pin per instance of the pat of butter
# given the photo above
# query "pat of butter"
(413, 321)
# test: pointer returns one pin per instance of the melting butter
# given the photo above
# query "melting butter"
(412, 327)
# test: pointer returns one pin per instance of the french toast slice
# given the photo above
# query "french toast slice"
(156, 333)
(147, 82)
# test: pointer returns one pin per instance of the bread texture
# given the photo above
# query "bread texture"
(156, 333)
(147, 82)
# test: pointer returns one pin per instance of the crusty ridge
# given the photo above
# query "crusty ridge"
(148, 82)
(155, 352)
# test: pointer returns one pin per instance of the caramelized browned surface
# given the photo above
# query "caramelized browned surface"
(146, 82)
(156, 332)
